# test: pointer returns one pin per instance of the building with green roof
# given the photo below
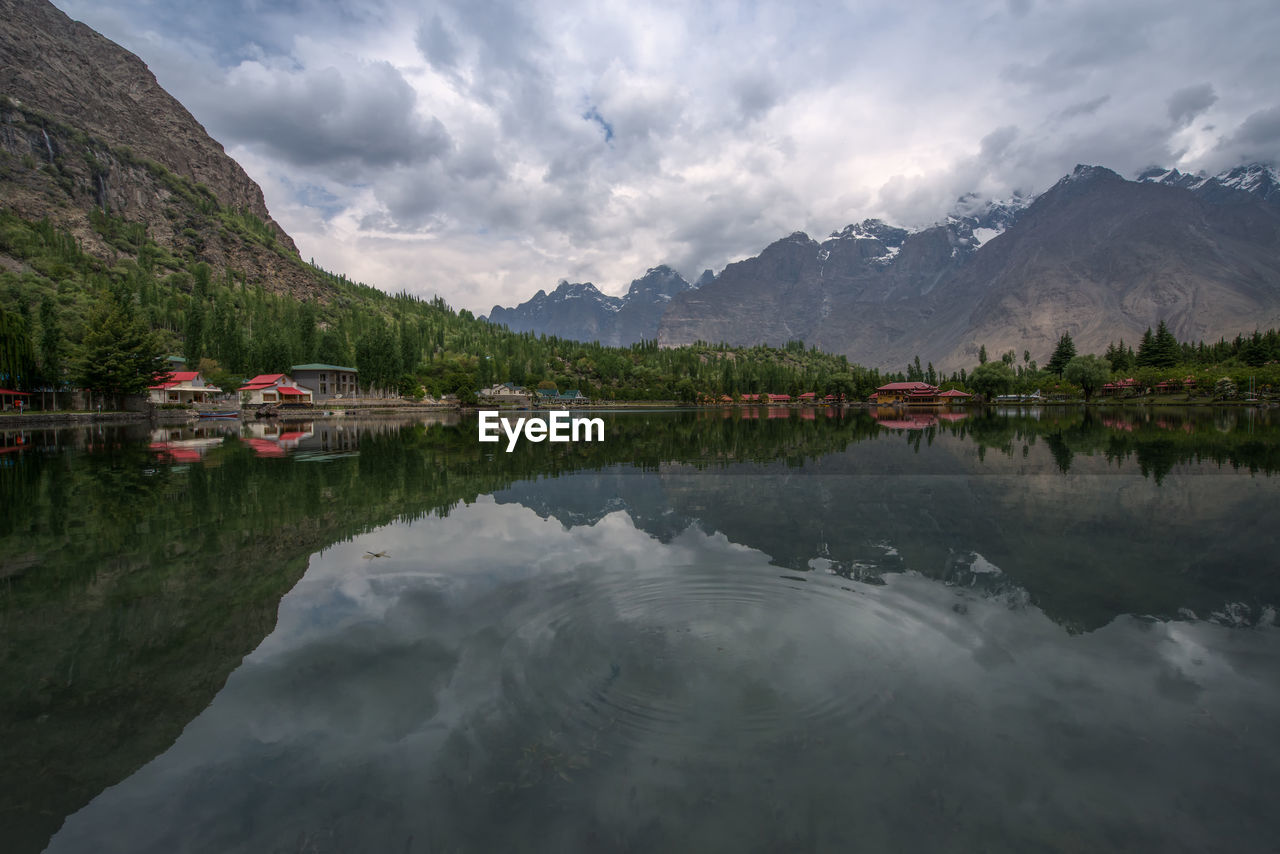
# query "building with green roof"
(327, 382)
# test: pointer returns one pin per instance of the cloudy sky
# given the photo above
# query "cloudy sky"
(483, 149)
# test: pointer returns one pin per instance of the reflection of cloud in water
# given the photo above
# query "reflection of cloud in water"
(500, 682)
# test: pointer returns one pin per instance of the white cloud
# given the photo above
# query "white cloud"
(483, 150)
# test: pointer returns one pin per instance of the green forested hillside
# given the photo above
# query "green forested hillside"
(398, 342)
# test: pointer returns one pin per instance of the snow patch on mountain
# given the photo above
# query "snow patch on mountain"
(1261, 180)
(872, 229)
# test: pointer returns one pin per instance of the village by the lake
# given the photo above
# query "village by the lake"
(730, 428)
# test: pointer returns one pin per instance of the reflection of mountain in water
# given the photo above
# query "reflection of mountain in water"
(181, 567)
(1083, 547)
(587, 688)
(586, 499)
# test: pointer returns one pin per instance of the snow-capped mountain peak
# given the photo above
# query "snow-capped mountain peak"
(1257, 179)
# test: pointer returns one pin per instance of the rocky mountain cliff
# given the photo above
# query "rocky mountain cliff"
(1104, 258)
(85, 126)
(1096, 255)
(581, 311)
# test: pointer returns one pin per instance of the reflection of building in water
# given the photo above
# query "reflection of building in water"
(900, 420)
(275, 439)
(331, 438)
(13, 441)
(177, 445)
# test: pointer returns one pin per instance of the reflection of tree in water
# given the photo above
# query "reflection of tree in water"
(131, 588)
(1157, 457)
(1061, 452)
(1157, 441)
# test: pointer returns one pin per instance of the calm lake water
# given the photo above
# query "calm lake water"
(716, 631)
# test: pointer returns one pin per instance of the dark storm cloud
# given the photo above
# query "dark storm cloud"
(756, 94)
(363, 115)
(1186, 104)
(1052, 48)
(703, 234)
(437, 44)
(1260, 129)
(1084, 108)
(1256, 139)
(1067, 66)
(229, 27)
(996, 144)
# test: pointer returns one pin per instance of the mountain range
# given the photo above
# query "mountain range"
(1097, 256)
(86, 131)
(580, 311)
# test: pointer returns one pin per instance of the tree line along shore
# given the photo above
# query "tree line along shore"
(69, 319)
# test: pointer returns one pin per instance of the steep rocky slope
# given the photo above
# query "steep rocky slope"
(1097, 256)
(84, 126)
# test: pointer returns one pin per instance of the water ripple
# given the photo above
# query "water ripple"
(702, 656)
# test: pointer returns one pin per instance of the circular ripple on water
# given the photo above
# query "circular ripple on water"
(697, 656)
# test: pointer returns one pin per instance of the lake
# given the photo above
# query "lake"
(740, 630)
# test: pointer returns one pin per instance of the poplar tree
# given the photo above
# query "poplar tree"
(17, 361)
(51, 343)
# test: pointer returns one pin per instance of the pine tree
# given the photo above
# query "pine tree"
(1062, 354)
(119, 355)
(1146, 350)
(1167, 352)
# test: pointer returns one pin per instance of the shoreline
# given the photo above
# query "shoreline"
(57, 419)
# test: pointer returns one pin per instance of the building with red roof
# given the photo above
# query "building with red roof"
(10, 399)
(908, 393)
(181, 387)
(273, 388)
(1121, 388)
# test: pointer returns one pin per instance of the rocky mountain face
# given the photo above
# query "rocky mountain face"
(1096, 256)
(580, 311)
(84, 125)
(575, 310)
(871, 276)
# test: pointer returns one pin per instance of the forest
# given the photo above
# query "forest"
(159, 303)
(71, 319)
